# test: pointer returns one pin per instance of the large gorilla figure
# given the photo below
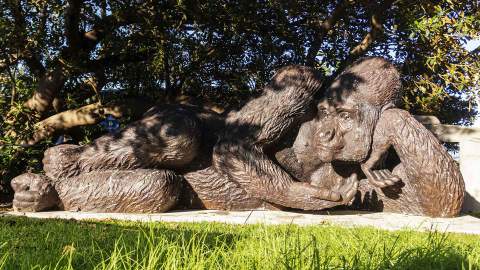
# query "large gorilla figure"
(223, 159)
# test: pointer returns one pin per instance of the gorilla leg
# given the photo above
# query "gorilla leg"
(136, 191)
(211, 190)
(167, 138)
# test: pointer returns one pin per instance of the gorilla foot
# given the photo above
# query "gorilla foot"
(33, 193)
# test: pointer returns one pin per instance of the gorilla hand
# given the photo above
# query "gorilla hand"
(348, 189)
(380, 178)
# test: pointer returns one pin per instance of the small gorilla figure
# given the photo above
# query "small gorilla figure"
(357, 121)
(432, 182)
(224, 160)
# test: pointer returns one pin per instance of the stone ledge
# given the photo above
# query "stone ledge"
(387, 221)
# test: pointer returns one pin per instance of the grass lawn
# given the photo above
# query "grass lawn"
(57, 244)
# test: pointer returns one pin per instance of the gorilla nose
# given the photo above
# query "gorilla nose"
(326, 135)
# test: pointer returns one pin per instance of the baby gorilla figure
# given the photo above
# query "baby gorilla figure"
(357, 123)
(224, 160)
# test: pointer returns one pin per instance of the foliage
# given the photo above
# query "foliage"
(57, 244)
(441, 75)
(63, 54)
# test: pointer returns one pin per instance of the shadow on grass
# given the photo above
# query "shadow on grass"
(59, 244)
(31, 242)
(436, 252)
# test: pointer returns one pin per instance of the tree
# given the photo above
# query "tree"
(67, 64)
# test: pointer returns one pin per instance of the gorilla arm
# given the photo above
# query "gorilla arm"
(263, 179)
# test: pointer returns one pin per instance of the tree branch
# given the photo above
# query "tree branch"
(194, 65)
(107, 24)
(86, 115)
(361, 48)
(376, 28)
(48, 87)
(26, 53)
(54, 79)
(9, 60)
(322, 29)
(116, 59)
(72, 21)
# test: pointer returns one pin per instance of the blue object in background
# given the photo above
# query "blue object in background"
(63, 139)
(110, 123)
(60, 140)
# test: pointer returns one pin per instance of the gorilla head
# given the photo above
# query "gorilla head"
(347, 114)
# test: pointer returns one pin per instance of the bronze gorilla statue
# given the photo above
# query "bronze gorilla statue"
(278, 151)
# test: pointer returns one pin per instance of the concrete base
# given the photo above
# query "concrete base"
(387, 221)
(470, 168)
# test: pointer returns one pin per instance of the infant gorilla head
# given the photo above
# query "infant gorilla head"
(348, 112)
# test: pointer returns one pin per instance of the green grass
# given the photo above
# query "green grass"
(54, 244)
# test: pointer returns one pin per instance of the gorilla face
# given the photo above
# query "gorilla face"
(343, 129)
(349, 111)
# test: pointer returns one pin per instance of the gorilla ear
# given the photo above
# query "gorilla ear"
(387, 106)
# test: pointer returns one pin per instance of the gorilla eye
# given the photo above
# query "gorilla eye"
(344, 115)
(322, 112)
(170, 131)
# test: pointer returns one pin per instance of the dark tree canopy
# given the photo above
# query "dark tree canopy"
(66, 65)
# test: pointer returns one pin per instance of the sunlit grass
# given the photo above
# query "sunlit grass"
(56, 244)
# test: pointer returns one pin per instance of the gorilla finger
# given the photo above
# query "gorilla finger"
(350, 182)
(386, 177)
(351, 193)
(381, 175)
(386, 174)
(377, 176)
(337, 187)
(392, 179)
(395, 178)
(389, 182)
(22, 205)
(377, 183)
(329, 195)
(26, 196)
(391, 176)
(380, 178)
(335, 196)
(352, 178)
